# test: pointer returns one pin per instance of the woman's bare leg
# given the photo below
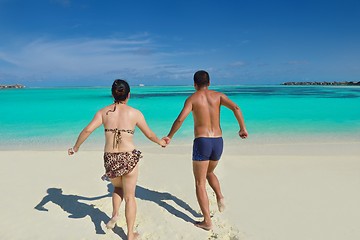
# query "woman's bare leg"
(215, 185)
(129, 186)
(117, 198)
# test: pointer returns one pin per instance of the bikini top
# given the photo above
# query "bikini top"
(117, 135)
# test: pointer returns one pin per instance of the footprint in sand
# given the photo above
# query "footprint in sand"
(222, 228)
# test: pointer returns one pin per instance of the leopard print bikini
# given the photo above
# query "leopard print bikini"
(119, 163)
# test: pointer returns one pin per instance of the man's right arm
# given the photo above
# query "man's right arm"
(181, 118)
(237, 112)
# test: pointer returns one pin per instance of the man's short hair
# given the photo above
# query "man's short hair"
(201, 78)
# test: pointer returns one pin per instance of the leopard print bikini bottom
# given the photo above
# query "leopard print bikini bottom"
(120, 163)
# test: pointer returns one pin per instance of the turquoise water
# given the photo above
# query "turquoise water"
(53, 117)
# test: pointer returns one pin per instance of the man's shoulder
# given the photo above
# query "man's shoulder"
(210, 94)
(216, 94)
(192, 96)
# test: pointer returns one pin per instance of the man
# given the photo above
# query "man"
(208, 143)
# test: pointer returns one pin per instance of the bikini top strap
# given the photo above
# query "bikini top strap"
(111, 110)
(117, 135)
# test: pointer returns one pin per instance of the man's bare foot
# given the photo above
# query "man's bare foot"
(221, 204)
(111, 224)
(134, 236)
(203, 225)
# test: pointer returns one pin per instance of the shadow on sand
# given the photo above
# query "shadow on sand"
(160, 197)
(76, 209)
(72, 205)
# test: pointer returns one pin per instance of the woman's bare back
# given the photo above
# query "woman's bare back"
(119, 124)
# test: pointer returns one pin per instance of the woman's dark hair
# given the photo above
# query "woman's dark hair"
(201, 78)
(120, 90)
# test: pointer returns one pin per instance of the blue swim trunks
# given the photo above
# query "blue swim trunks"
(205, 148)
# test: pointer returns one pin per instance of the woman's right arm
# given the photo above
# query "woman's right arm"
(142, 125)
(85, 133)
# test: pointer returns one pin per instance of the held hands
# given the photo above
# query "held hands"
(165, 141)
(162, 143)
(243, 133)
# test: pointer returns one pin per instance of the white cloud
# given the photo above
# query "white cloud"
(5, 60)
(83, 57)
(237, 64)
(136, 57)
(298, 62)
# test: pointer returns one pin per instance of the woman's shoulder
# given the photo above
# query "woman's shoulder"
(134, 110)
(107, 108)
(111, 107)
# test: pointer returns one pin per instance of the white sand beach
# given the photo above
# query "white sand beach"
(297, 191)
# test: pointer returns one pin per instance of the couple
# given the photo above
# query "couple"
(121, 156)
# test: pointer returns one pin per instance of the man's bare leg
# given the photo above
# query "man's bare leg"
(117, 198)
(129, 183)
(215, 185)
(200, 171)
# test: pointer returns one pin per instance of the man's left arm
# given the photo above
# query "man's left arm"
(237, 112)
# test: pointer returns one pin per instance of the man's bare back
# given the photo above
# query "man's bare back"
(206, 112)
(205, 105)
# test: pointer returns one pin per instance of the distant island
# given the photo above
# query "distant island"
(324, 83)
(11, 86)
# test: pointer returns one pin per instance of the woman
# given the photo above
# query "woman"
(120, 155)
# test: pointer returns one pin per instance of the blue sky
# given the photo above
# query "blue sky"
(92, 42)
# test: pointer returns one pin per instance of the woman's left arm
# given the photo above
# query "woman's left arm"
(145, 129)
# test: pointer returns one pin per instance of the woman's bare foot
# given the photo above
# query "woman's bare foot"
(221, 204)
(134, 236)
(111, 224)
(203, 225)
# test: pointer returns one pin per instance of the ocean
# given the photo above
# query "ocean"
(52, 118)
